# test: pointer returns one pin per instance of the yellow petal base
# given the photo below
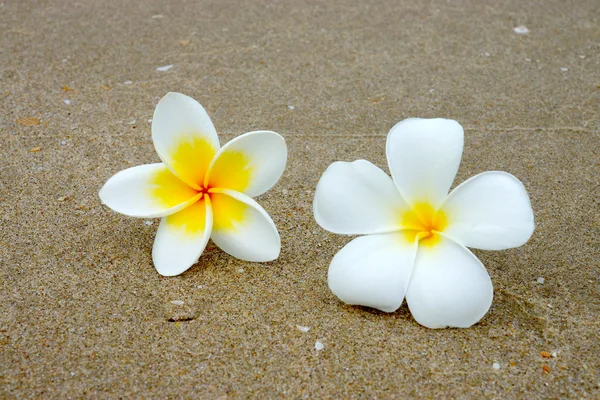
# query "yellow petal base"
(423, 223)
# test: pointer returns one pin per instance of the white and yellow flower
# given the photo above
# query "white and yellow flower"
(417, 233)
(202, 191)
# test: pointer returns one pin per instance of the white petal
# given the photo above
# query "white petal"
(423, 156)
(243, 228)
(490, 211)
(449, 286)
(357, 198)
(181, 238)
(251, 163)
(373, 271)
(147, 191)
(184, 137)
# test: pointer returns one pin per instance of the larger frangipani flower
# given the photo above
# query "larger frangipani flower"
(202, 191)
(416, 233)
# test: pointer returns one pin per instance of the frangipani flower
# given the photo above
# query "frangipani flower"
(201, 191)
(417, 233)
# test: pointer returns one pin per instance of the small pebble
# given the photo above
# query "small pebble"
(241, 270)
(319, 346)
(158, 16)
(164, 68)
(546, 369)
(528, 59)
(148, 222)
(127, 82)
(62, 198)
(545, 354)
(63, 142)
(486, 54)
(554, 354)
(291, 107)
(132, 122)
(521, 30)
(582, 57)
(541, 280)
(431, 90)
(178, 311)
(28, 121)
(67, 102)
(496, 366)
(303, 328)
(564, 69)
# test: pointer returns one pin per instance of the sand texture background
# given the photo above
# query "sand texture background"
(83, 313)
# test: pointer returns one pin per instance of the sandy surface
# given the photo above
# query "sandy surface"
(83, 312)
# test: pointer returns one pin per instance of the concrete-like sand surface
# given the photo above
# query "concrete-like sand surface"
(83, 313)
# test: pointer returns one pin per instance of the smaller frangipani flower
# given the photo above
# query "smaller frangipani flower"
(200, 190)
(417, 233)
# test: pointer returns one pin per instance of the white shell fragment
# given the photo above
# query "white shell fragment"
(496, 366)
(164, 68)
(303, 328)
(521, 30)
(177, 302)
(319, 346)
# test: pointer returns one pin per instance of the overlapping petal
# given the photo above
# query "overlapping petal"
(184, 137)
(449, 286)
(147, 191)
(242, 227)
(373, 271)
(490, 211)
(251, 163)
(182, 237)
(423, 156)
(357, 198)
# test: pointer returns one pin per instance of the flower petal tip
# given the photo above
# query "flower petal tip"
(167, 268)
(356, 198)
(242, 228)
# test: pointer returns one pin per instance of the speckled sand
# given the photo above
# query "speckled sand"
(83, 312)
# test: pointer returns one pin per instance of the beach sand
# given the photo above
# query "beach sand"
(84, 314)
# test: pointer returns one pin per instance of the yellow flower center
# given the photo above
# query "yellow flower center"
(424, 223)
(228, 212)
(191, 158)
